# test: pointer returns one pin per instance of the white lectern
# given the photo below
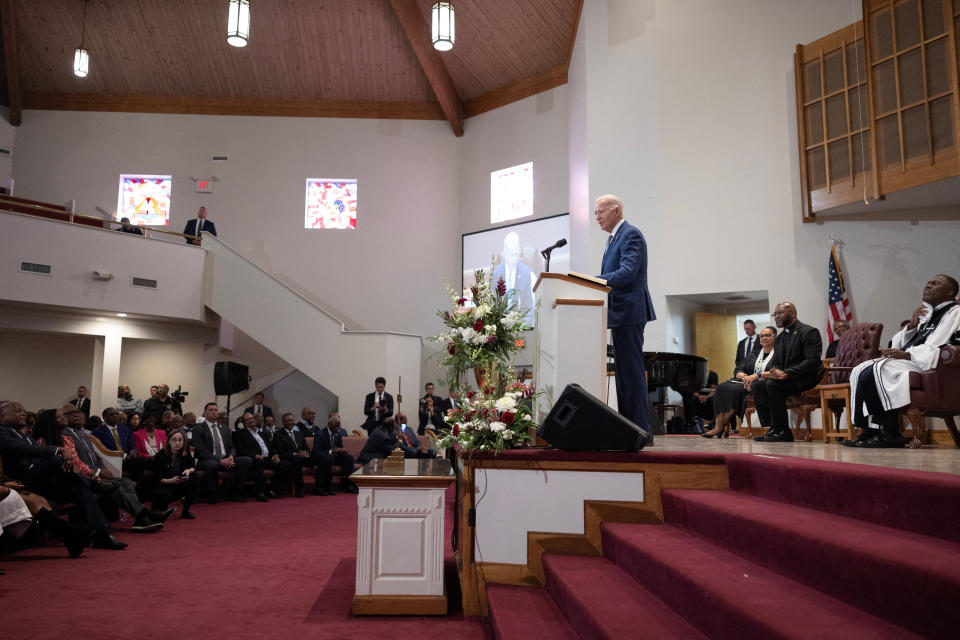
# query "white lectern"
(570, 338)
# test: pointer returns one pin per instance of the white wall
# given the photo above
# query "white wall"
(43, 370)
(690, 118)
(76, 251)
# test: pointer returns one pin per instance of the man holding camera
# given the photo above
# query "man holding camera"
(161, 402)
(378, 406)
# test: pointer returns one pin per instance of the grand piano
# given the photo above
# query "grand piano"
(682, 372)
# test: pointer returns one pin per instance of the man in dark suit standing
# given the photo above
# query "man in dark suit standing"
(624, 267)
(378, 406)
(291, 446)
(796, 368)
(82, 402)
(258, 408)
(516, 275)
(749, 347)
(215, 452)
(197, 225)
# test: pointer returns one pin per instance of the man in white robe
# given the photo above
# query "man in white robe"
(879, 387)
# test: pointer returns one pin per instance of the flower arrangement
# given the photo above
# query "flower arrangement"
(484, 332)
(485, 421)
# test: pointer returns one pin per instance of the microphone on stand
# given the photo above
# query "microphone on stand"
(546, 252)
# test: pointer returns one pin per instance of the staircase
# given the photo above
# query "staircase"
(303, 334)
(771, 557)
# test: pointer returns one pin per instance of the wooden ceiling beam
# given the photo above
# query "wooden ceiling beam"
(232, 106)
(519, 90)
(436, 71)
(11, 60)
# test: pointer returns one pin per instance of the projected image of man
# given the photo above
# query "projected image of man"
(624, 267)
(516, 275)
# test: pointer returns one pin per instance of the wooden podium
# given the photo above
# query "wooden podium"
(570, 338)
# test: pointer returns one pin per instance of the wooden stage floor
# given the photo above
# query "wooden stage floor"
(946, 460)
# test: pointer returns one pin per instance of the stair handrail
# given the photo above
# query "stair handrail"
(208, 238)
(72, 215)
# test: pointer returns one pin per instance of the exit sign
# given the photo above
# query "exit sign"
(204, 185)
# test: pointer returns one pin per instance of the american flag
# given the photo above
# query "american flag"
(838, 307)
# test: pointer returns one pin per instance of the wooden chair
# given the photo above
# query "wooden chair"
(858, 344)
(801, 404)
(935, 393)
(112, 460)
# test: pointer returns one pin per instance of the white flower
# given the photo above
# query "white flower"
(507, 434)
(497, 426)
(481, 425)
(526, 416)
(506, 403)
(490, 328)
(468, 334)
(482, 310)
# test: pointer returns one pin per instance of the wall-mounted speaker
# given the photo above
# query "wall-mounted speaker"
(581, 422)
(230, 378)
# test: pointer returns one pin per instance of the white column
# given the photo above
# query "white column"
(95, 392)
(110, 370)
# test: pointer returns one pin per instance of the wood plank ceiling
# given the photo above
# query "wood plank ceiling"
(335, 58)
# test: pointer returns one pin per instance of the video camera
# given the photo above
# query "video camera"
(179, 395)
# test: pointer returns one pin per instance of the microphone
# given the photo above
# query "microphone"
(556, 245)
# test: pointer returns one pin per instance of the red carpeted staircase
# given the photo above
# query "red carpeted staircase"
(796, 548)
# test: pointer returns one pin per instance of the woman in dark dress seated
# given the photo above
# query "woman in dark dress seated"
(731, 397)
(177, 472)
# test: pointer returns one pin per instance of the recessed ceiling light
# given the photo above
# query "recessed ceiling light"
(121, 315)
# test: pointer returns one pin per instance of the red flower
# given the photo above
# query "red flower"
(468, 416)
(501, 287)
(471, 394)
(491, 339)
(456, 430)
(461, 301)
(478, 326)
(506, 417)
(451, 349)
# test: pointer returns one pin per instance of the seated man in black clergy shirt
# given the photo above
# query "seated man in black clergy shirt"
(378, 405)
(250, 443)
(796, 367)
(328, 452)
(215, 452)
(292, 446)
(42, 470)
(381, 443)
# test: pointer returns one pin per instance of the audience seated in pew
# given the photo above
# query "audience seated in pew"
(118, 437)
(250, 444)
(328, 452)
(215, 452)
(880, 387)
(117, 493)
(127, 404)
(47, 470)
(17, 516)
(291, 445)
(176, 470)
(150, 439)
(408, 441)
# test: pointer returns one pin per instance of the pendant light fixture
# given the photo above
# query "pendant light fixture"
(238, 23)
(81, 59)
(442, 24)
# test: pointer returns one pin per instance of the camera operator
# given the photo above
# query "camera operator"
(163, 401)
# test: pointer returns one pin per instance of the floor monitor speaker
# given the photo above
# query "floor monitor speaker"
(581, 422)
(230, 378)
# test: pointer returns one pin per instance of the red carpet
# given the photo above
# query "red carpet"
(796, 549)
(284, 569)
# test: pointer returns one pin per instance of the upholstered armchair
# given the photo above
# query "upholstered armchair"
(935, 393)
(858, 344)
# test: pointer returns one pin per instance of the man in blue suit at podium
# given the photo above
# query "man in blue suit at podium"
(624, 267)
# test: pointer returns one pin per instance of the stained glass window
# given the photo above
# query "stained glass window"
(145, 199)
(331, 204)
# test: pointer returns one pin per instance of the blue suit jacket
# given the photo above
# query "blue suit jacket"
(624, 267)
(322, 444)
(191, 228)
(126, 437)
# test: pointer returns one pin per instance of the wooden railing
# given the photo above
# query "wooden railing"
(55, 212)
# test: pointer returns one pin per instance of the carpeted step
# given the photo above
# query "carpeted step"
(920, 501)
(727, 596)
(601, 601)
(868, 565)
(526, 613)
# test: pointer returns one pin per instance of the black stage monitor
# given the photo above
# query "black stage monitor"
(230, 378)
(580, 422)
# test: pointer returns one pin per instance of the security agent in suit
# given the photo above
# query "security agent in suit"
(215, 452)
(291, 446)
(748, 348)
(250, 444)
(196, 226)
(630, 307)
(381, 443)
(378, 406)
(258, 407)
(796, 368)
(328, 451)
(82, 402)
